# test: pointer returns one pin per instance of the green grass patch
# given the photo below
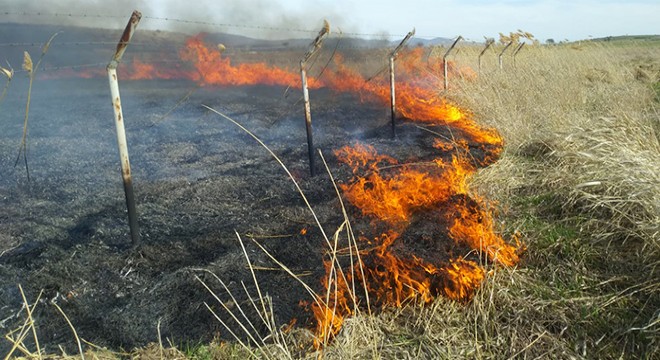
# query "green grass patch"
(656, 91)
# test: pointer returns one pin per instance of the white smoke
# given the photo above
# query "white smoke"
(254, 18)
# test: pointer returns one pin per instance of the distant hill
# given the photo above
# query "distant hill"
(654, 38)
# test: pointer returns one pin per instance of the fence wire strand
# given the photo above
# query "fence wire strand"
(208, 23)
(343, 39)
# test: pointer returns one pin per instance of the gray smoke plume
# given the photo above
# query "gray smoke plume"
(255, 18)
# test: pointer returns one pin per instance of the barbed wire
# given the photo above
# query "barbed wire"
(346, 44)
(79, 66)
(93, 65)
(176, 44)
(77, 43)
(55, 68)
(214, 24)
(24, 13)
(244, 26)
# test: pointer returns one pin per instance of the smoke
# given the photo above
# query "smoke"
(257, 18)
(93, 13)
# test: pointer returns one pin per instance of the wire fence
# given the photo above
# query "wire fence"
(299, 42)
(167, 35)
(207, 24)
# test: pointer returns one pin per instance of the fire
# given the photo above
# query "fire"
(393, 280)
(389, 192)
(395, 198)
(139, 70)
(475, 227)
(392, 194)
(416, 99)
(331, 310)
(461, 279)
(214, 69)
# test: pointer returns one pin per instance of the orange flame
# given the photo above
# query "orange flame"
(475, 227)
(214, 69)
(393, 199)
(139, 70)
(392, 193)
(389, 192)
(331, 311)
(416, 99)
(461, 279)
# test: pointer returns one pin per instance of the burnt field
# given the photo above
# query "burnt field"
(199, 180)
(557, 259)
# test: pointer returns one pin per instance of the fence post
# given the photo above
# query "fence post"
(489, 42)
(119, 123)
(314, 47)
(393, 55)
(444, 60)
(392, 97)
(516, 51)
(499, 57)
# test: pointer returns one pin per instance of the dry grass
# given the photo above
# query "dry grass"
(31, 70)
(582, 128)
(580, 181)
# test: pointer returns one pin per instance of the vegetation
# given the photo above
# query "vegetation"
(629, 38)
(579, 181)
(31, 70)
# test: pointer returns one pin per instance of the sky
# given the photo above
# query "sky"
(473, 19)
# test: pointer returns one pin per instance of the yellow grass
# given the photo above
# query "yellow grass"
(579, 179)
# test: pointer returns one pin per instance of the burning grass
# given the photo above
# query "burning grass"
(388, 278)
(578, 180)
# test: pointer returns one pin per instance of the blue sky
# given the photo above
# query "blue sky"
(477, 18)
(473, 19)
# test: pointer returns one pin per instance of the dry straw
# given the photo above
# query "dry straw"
(336, 273)
(18, 336)
(9, 74)
(580, 179)
(31, 70)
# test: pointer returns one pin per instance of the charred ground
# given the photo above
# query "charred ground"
(198, 179)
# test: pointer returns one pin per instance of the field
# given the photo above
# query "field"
(578, 182)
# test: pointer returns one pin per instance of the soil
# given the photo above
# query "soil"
(200, 184)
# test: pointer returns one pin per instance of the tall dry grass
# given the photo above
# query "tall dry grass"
(582, 128)
(580, 181)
